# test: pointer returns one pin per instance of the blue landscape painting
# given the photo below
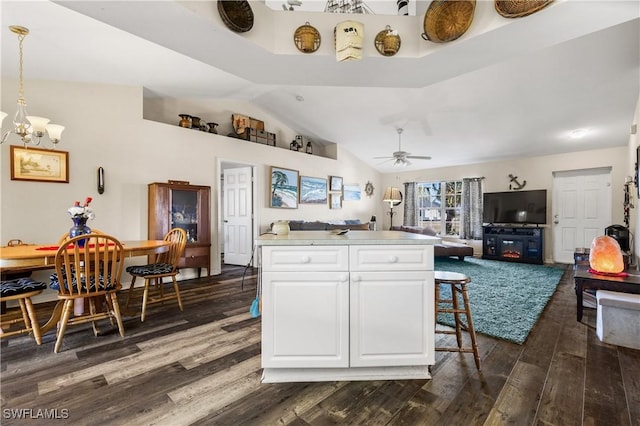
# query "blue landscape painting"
(313, 190)
(352, 192)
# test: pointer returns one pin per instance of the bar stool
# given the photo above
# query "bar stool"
(458, 283)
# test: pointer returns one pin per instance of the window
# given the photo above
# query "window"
(439, 205)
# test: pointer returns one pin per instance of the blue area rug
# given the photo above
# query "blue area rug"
(506, 298)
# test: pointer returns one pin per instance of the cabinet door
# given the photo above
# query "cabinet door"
(305, 319)
(392, 318)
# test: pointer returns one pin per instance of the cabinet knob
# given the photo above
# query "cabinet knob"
(355, 278)
(343, 278)
(305, 259)
(393, 259)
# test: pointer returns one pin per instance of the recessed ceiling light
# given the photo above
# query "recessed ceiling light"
(578, 133)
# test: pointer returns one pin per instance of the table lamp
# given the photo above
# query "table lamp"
(393, 196)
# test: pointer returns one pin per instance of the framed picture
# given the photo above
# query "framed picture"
(352, 192)
(335, 183)
(335, 201)
(284, 188)
(313, 190)
(39, 165)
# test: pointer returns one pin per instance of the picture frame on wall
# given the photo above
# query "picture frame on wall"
(39, 165)
(335, 183)
(352, 192)
(313, 190)
(284, 188)
(335, 201)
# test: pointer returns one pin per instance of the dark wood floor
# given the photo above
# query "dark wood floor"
(202, 367)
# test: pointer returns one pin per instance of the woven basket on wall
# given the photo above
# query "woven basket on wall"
(306, 38)
(519, 8)
(446, 20)
(236, 15)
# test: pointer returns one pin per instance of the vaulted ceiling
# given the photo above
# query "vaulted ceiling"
(507, 88)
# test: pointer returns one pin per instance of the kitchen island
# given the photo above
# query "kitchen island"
(358, 306)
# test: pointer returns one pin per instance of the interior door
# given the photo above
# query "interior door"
(581, 209)
(238, 215)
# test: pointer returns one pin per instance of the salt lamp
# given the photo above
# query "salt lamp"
(605, 255)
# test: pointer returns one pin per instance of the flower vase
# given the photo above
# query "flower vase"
(79, 228)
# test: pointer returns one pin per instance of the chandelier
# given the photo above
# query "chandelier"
(31, 129)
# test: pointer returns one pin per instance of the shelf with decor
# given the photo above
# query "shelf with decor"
(177, 204)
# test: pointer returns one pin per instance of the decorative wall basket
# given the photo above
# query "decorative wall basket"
(387, 42)
(236, 15)
(306, 38)
(446, 20)
(519, 8)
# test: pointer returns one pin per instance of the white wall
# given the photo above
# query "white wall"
(538, 173)
(104, 127)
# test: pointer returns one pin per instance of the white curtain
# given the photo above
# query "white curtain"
(471, 209)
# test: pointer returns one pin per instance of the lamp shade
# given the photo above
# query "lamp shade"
(55, 131)
(38, 124)
(605, 255)
(392, 195)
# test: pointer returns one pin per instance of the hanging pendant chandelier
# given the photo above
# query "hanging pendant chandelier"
(29, 128)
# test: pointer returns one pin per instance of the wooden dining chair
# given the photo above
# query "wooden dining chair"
(21, 290)
(91, 272)
(165, 265)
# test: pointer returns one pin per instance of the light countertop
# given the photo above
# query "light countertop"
(311, 238)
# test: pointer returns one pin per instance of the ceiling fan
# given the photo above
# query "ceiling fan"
(291, 3)
(400, 157)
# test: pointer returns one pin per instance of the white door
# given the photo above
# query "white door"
(238, 216)
(305, 320)
(392, 318)
(581, 209)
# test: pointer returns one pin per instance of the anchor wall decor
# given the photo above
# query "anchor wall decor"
(515, 185)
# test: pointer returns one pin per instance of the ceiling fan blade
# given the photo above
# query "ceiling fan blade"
(419, 157)
(381, 158)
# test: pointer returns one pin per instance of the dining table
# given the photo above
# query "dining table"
(20, 258)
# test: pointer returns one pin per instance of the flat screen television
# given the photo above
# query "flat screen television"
(525, 207)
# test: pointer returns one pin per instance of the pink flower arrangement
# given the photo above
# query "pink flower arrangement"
(82, 210)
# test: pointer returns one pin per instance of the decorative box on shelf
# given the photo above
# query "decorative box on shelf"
(260, 136)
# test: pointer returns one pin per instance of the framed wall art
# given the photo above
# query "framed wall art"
(352, 192)
(335, 183)
(313, 190)
(335, 201)
(284, 188)
(39, 165)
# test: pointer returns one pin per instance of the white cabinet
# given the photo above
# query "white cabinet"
(392, 305)
(305, 307)
(347, 306)
(391, 319)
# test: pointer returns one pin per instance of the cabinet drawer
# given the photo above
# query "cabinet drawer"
(391, 258)
(305, 258)
(195, 257)
(195, 252)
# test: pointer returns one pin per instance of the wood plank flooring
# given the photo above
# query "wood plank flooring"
(202, 367)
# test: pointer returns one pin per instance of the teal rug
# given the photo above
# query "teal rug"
(506, 298)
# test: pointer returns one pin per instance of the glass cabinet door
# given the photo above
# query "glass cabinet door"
(184, 212)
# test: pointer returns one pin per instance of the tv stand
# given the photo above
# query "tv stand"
(513, 243)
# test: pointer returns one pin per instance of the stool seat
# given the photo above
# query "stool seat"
(22, 290)
(458, 283)
(447, 277)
